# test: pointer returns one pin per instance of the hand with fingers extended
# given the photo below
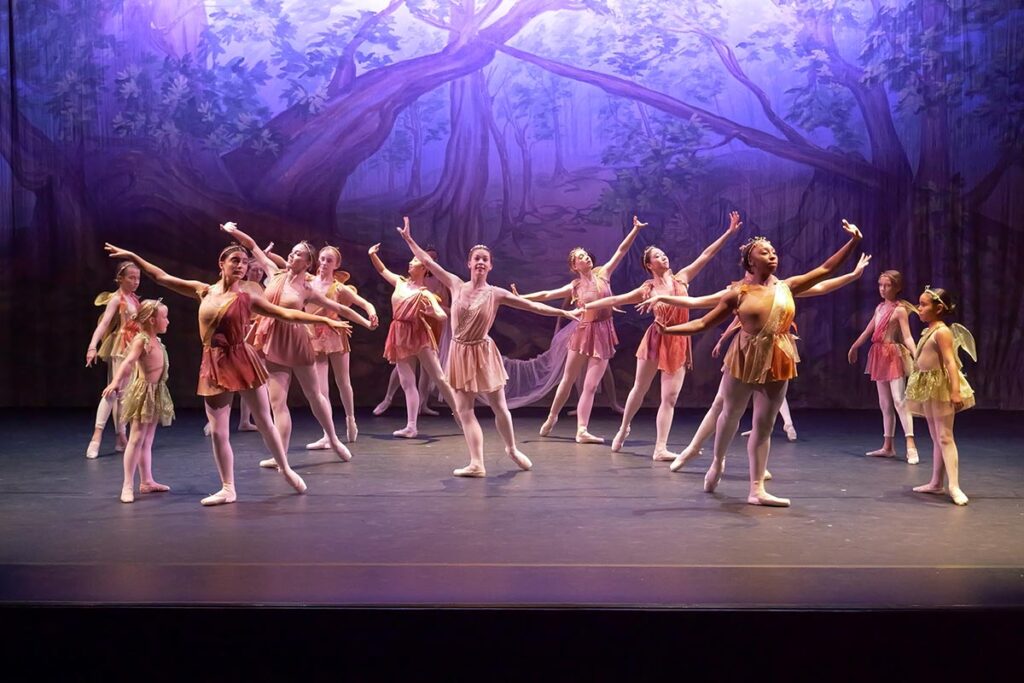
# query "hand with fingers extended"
(852, 229)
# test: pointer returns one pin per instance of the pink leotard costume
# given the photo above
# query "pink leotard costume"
(229, 363)
(324, 339)
(671, 351)
(411, 330)
(887, 358)
(474, 363)
(595, 335)
(115, 344)
(278, 341)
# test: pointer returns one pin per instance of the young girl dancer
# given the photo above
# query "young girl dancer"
(285, 346)
(146, 402)
(334, 348)
(938, 390)
(114, 332)
(413, 336)
(593, 342)
(474, 365)
(670, 355)
(888, 360)
(762, 357)
(229, 364)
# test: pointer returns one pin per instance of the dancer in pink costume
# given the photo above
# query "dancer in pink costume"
(110, 340)
(938, 390)
(890, 362)
(593, 342)
(331, 348)
(229, 364)
(413, 335)
(474, 365)
(146, 402)
(286, 347)
(669, 355)
(763, 356)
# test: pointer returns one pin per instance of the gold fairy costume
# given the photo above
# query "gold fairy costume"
(770, 355)
(145, 401)
(929, 388)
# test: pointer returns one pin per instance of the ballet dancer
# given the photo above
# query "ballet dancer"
(669, 355)
(937, 389)
(413, 335)
(762, 357)
(146, 402)
(114, 332)
(593, 342)
(229, 365)
(890, 362)
(474, 364)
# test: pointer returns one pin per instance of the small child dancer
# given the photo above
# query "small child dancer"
(888, 362)
(146, 401)
(938, 389)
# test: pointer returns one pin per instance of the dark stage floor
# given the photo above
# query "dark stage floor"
(586, 527)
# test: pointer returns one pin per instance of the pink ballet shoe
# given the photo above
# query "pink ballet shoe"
(269, 463)
(352, 430)
(912, 457)
(207, 430)
(768, 475)
(746, 433)
(223, 497)
(519, 458)
(714, 476)
(473, 471)
(154, 487)
(762, 497)
(405, 433)
(663, 455)
(934, 489)
(122, 442)
(619, 439)
(321, 444)
(294, 480)
(341, 450)
(790, 432)
(548, 425)
(427, 410)
(93, 451)
(248, 427)
(881, 453)
(958, 496)
(382, 407)
(127, 496)
(686, 456)
(583, 436)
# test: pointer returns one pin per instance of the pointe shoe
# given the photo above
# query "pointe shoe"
(746, 433)
(321, 444)
(206, 429)
(790, 432)
(881, 453)
(93, 451)
(269, 464)
(548, 425)
(583, 436)
(930, 488)
(122, 442)
(342, 451)
(958, 496)
(470, 471)
(294, 480)
(223, 497)
(912, 457)
(619, 439)
(382, 407)
(154, 487)
(686, 456)
(519, 458)
(352, 430)
(405, 433)
(663, 456)
(427, 410)
(127, 496)
(713, 476)
(248, 427)
(767, 499)
(768, 476)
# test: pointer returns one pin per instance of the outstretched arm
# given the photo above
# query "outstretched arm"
(341, 309)
(799, 283)
(634, 297)
(447, 279)
(264, 307)
(545, 294)
(613, 263)
(509, 299)
(269, 264)
(101, 328)
(347, 297)
(189, 288)
(720, 312)
(388, 276)
(832, 284)
(691, 271)
(706, 301)
(127, 365)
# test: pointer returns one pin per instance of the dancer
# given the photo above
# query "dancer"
(146, 402)
(707, 425)
(890, 362)
(593, 342)
(670, 355)
(938, 390)
(286, 347)
(474, 365)
(114, 332)
(413, 336)
(331, 348)
(762, 357)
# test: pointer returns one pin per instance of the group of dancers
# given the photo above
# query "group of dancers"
(254, 340)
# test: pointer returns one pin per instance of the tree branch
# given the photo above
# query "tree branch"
(345, 71)
(427, 19)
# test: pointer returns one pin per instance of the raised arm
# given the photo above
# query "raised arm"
(127, 365)
(623, 248)
(447, 279)
(719, 313)
(832, 284)
(270, 265)
(545, 294)
(509, 299)
(101, 328)
(706, 301)
(634, 297)
(691, 271)
(189, 288)
(388, 276)
(799, 283)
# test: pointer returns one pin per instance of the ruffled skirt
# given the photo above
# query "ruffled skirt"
(230, 368)
(407, 338)
(596, 339)
(475, 366)
(671, 351)
(326, 340)
(887, 361)
(929, 390)
(147, 403)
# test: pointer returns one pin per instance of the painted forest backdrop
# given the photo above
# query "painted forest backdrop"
(531, 125)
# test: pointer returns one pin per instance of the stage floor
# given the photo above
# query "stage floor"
(586, 527)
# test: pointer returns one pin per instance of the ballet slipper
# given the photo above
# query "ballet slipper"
(127, 496)
(583, 436)
(207, 430)
(352, 429)
(248, 427)
(122, 442)
(573, 412)
(620, 438)
(686, 456)
(621, 410)
(881, 453)
(153, 487)
(519, 458)
(269, 463)
(935, 489)
(663, 455)
(790, 432)
(427, 410)
(382, 407)
(548, 425)
(294, 480)
(341, 450)
(762, 497)
(912, 457)
(768, 476)
(321, 444)
(714, 476)
(225, 496)
(746, 433)
(405, 433)
(958, 496)
(93, 451)
(476, 471)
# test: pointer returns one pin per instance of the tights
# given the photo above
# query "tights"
(891, 399)
(671, 383)
(110, 405)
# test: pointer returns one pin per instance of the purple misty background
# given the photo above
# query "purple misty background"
(530, 125)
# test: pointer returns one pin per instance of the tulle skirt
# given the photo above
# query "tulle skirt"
(326, 340)
(929, 391)
(147, 403)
